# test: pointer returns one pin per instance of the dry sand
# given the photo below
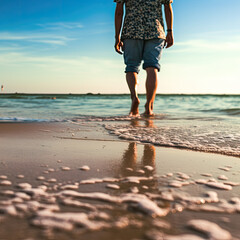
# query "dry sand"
(82, 182)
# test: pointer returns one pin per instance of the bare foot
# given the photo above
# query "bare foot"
(134, 112)
(148, 114)
(148, 110)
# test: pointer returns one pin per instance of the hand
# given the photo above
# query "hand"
(118, 46)
(169, 40)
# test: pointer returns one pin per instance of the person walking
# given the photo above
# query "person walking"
(142, 38)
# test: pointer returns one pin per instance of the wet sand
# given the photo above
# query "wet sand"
(81, 182)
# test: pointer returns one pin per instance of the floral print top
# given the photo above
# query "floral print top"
(143, 19)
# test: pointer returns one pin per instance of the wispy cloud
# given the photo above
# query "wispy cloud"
(46, 38)
(9, 49)
(61, 25)
(17, 58)
(220, 34)
(209, 46)
(50, 41)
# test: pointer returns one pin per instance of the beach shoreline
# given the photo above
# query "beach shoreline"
(53, 151)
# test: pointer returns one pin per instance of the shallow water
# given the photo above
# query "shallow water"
(208, 123)
(68, 106)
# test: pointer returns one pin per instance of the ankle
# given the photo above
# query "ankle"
(148, 106)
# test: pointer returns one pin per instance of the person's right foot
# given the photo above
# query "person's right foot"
(134, 112)
(148, 110)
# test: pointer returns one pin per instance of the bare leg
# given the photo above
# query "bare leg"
(151, 88)
(132, 84)
(149, 155)
(129, 158)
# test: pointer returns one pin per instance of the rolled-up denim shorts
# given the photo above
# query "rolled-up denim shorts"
(136, 50)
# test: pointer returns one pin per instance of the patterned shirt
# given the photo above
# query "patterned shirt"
(143, 19)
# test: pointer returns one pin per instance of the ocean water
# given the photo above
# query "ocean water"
(208, 123)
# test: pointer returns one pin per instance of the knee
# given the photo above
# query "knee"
(151, 70)
(131, 75)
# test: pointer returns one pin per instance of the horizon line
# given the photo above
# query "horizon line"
(90, 93)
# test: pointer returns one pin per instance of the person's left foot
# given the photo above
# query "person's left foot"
(148, 110)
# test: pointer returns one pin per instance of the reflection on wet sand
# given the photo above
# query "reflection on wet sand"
(130, 156)
(149, 155)
(149, 123)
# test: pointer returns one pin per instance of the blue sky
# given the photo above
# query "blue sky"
(61, 46)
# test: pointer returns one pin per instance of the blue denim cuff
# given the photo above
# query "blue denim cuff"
(156, 65)
(131, 69)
